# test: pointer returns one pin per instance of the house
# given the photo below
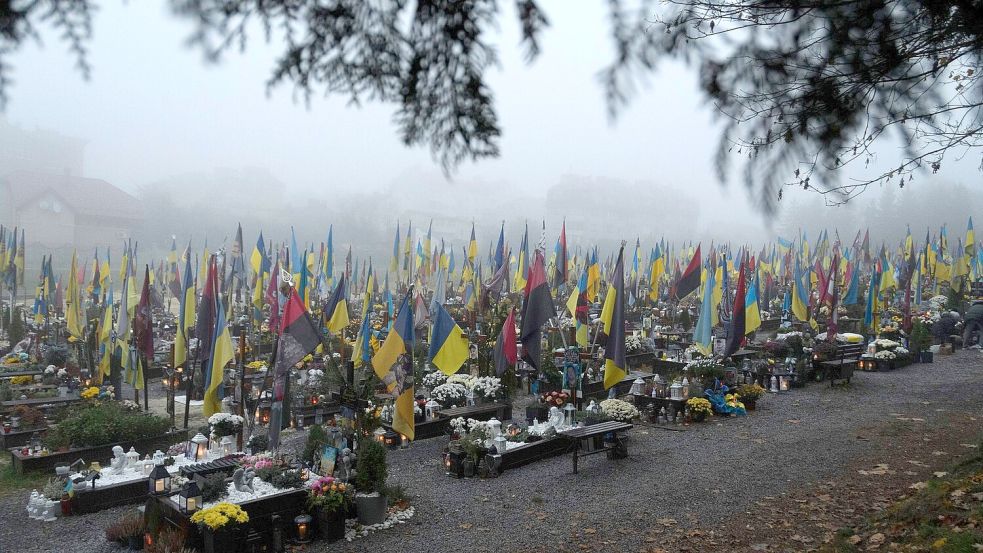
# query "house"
(66, 211)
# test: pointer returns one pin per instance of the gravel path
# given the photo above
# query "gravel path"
(707, 472)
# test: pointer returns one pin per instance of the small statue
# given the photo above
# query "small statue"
(32, 504)
(242, 479)
(344, 470)
(118, 462)
(556, 417)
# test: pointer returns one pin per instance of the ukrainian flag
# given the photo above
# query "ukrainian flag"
(222, 354)
(336, 310)
(186, 317)
(752, 314)
(448, 345)
(393, 364)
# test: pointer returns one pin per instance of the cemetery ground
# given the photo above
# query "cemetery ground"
(890, 462)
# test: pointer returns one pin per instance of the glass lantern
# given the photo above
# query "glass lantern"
(160, 481)
(494, 427)
(227, 446)
(197, 448)
(189, 500)
(676, 390)
(380, 435)
(132, 458)
(568, 412)
(637, 387)
(431, 408)
(302, 525)
(783, 382)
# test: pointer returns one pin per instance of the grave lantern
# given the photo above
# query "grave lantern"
(132, 458)
(783, 382)
(568, 412)
(391, 439)
(431, 409)
(774, 384)
(404, 441)
(160, 480)
(676, 390)
(302, 525)
(637, 387)
(227, 447)
(379, 435)
(299, 421)
(189, 500)
(495, 427)
(501, 444)
(197, 447)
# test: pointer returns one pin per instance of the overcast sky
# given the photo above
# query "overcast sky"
(154, 108)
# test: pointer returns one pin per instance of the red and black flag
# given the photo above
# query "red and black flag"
(738, 322)
(205, 325)
(560, 271)
(537, 309)
(505, 349)
(298, 337)
(690, 279)
(143, 323)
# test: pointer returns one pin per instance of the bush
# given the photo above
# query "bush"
(16, 330)
(258, 443)
(371, 467)
(121, 531)
(213, 487)
(920, 338)
(30, 417)
(316, 440)
(395, 494)
(56, 355)
(825, 350)
(287, 479)
(103, 423)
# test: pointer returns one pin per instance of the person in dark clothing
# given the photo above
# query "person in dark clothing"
(973, 324)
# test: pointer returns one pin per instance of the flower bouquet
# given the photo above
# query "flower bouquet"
(487, 387)
(449, 394)
(555, 398)
(621, 411)
(699, 408)
(225, 424)
(328, 498)
(220, 522)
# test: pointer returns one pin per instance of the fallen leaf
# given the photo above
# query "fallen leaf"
(940, 474)
(855, 539)
(919, 486)
(876, 540)
(590, 530)
(794, 421)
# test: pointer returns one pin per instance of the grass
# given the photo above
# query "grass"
(11, 482)
(942, 517)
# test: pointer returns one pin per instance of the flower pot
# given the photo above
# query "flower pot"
(468, 468)
(66, 506)
(371, 509)
(750, 404)
(698, 417)
(331, 524)
(219, 541)
(135, 542)
(927, 357)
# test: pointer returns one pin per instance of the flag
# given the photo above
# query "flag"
(870, 313)
(690, 279)
(560, 271)
(505, 349)
(143, 323)
(393, 364)
(613, 317)
(578, 306)
(593, 277)
(738, 324)
(299, 336)
(448, 345)
(336, 310)
(472, 246)
(259, 261)
(853, 289)
(522, 264)
(500, 249)
(273, 297)
(205, 324)
(394, 263)
(752, 312)
(703, 333)
(655, 274)
(537, 309)
(800, 294)
(186, 316)
(362, 350)
(75, 315)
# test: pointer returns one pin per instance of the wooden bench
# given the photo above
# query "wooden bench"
(841, 367)
(583, 433)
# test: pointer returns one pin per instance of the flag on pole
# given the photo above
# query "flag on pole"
(505, 352)
(186, 316)
(393, 364)
(299, 336)
(336, 310)
(738, 324)
(537, 309)
(75, 315)
(448, 345)
(613, 317)
(690, 279)
(703, 333)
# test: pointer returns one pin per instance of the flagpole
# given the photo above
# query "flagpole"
(188, 388)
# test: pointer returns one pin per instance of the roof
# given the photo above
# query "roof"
(85, 196)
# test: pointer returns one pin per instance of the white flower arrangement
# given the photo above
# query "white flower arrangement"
(938, 302)
(465, 380)
(50, 369)
(62, 373)
(130, 405)
(433, 379)
(225, 424)
(487, 387)
(633, 343)
(619, 410)
(900, 351)
(462, 425)
(314, 375)
(448, 394)
(884, 343)
(459, 425)
(885, 354)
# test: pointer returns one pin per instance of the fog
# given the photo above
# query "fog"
(203, 146)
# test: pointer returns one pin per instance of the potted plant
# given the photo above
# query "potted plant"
(328, 499)
(749, 394)
(699, 409)
(127, 532)
(224, 424)
(220, 525)
(370, 481)
(920, 340)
